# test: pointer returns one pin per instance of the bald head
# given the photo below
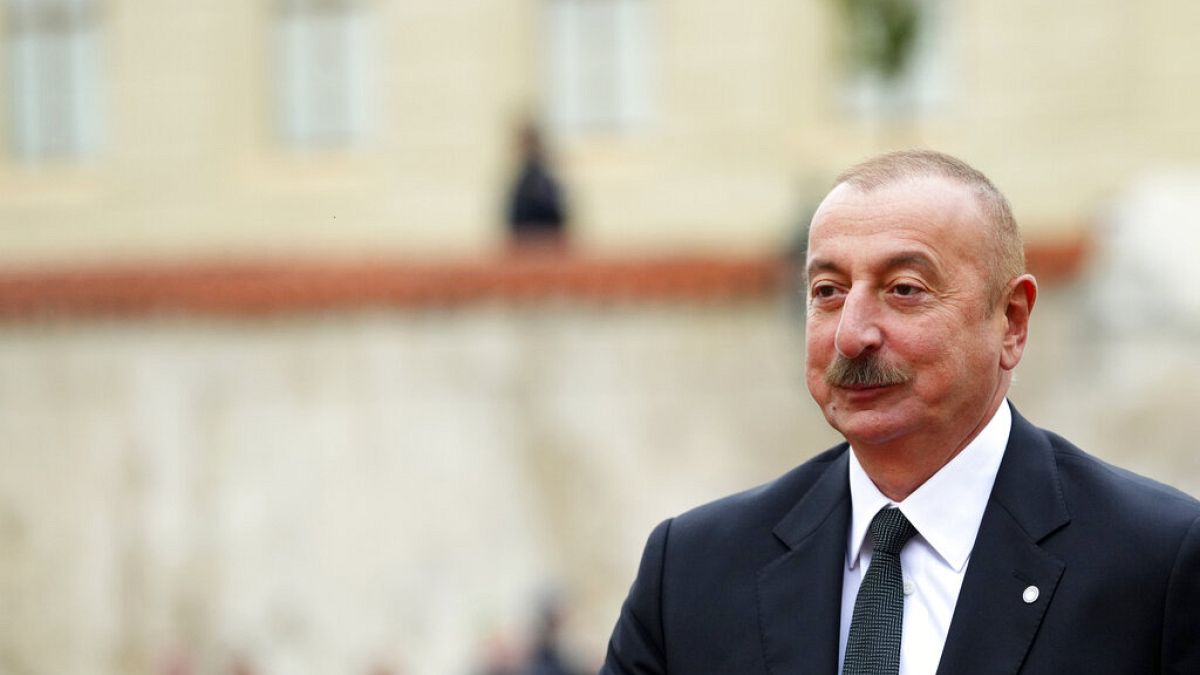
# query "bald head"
(904, 165)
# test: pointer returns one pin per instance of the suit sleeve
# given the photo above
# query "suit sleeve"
(1181, 625)
(637, 644)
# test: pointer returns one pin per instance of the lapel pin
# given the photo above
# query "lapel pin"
(1030, 595)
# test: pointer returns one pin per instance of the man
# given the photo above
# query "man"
(947, 535)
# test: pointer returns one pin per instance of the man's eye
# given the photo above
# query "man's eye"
(906, 290)
(823, 291)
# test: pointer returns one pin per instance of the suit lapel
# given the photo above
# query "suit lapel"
(996, 617)
(800, 593)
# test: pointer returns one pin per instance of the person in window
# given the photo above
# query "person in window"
(536, 208)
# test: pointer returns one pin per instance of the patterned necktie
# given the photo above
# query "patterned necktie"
(873, 647)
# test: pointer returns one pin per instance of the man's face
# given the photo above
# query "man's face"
(902, 345)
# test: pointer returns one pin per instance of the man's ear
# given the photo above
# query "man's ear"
(1017, 304)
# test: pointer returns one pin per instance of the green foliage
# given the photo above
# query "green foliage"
(882, 33)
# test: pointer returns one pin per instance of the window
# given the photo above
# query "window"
(53, 78)
(599, 64)
(321, 56)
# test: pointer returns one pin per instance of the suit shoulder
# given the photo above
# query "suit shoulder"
(763, 505)
(1091, 477)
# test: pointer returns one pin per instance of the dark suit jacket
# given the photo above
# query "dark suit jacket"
(752, 583)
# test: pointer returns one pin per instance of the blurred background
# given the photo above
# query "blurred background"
(374, 336)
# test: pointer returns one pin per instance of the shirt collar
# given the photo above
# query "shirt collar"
(946, 510)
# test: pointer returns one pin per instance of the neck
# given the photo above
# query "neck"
(897, 478)
(899, 468)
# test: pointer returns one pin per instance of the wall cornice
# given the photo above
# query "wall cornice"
(275, 286)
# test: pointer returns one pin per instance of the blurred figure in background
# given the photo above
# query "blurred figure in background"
(543, 653)
(501, 656)
(547, 657)
(536, 207)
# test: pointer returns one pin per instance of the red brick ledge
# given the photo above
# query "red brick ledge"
(1058, 261)
(273, 287)
(269, 287)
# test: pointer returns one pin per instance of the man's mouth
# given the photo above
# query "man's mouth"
(867, 387)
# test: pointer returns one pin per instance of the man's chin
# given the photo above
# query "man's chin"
(866, 426)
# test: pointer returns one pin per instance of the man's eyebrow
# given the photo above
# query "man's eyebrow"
(913, 259)
(821, 265)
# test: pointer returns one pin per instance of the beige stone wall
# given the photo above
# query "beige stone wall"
(323, 492)
(1062, 103)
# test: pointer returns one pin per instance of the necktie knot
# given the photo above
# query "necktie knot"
(890, 530)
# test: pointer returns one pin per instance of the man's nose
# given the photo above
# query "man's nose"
(858, 326)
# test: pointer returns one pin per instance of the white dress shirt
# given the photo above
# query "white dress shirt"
(946, 511)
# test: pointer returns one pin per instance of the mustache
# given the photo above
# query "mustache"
(867, 370)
